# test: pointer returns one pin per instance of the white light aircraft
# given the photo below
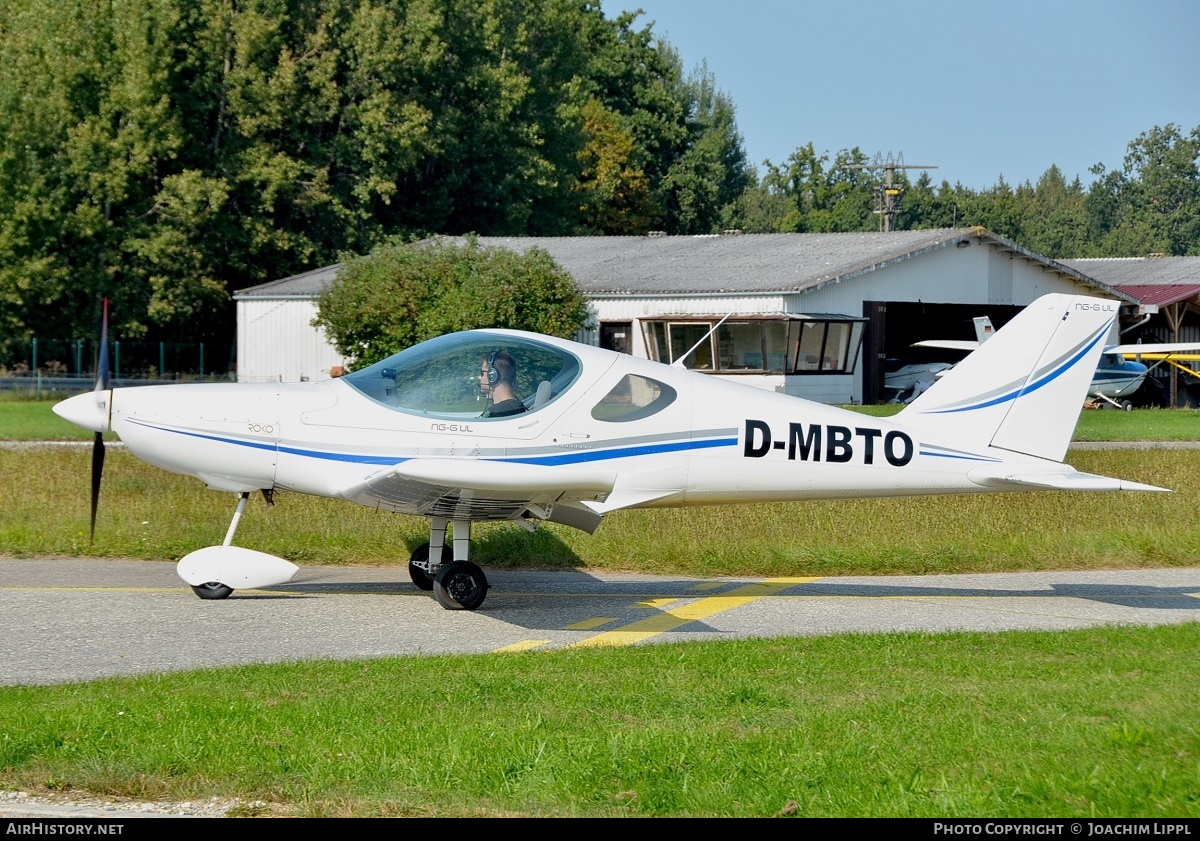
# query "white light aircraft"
(594, 431)
(1119, 373)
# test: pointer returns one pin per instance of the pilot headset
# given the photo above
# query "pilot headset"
(493, 376)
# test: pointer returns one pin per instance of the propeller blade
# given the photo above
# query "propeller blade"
(103, 375)
(97, 470)
(103, 383)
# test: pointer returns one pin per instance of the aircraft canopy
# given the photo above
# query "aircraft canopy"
(440, 377)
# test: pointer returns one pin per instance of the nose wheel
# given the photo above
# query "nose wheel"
(213, 590)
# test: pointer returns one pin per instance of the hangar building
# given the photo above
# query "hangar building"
(820, 316)
(1168, 288)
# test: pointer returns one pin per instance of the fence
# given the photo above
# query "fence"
(65, 364)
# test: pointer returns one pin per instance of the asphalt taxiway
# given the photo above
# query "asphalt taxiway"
(79, 619)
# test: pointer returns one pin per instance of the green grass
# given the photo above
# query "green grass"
(34, 420)
(148, 513)
(1138, 425)
(1020, 724)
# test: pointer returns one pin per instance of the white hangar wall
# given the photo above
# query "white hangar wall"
(980, 273)
(977, 274)
(276, 342)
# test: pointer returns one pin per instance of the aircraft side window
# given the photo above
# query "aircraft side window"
(633, 398)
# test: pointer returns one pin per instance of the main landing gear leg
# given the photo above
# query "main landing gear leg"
(458, 584)
(237, 518)
(421, 569)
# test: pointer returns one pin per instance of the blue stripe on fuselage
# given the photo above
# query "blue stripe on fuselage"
(550, 460)
(621, 452)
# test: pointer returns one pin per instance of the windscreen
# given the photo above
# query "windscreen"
(442, 377)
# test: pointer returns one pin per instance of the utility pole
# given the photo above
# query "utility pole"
(887, 195)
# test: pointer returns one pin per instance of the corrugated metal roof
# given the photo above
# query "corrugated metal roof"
(1140, 271)
(730, 263)
(1161, 295)
(1150, 280)
(305, 285)
(760, 263)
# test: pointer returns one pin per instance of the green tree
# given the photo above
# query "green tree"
(758, 210)
(164, 153)
(1153, 203)
(712, 171)
(613, 191)
(87, 132)
(1055, 216)
(924, 206)
(404, 293)
(823, 198)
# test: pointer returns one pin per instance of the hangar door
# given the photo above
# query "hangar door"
(894, 326)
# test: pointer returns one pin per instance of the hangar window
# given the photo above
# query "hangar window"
(771, 344)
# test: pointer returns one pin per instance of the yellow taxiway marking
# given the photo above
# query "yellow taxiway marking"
(656, 604)
(677, 617)
(588, 624)
(523, 645)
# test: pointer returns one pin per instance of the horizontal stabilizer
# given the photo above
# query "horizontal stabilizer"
(948, 344)
(1019, 477)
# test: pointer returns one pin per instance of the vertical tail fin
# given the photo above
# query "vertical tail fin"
(1023, 389)
(983, 328)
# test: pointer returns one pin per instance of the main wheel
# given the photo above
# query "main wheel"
(460, 585)
(213, 590)
(418, 565)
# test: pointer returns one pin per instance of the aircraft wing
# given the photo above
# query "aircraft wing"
(948, 344)
(1158, 350)
(480, 489)
(1016, 477)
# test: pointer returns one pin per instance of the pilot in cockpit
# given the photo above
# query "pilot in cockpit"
(497, 378)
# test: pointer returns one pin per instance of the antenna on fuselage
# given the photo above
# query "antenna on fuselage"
(678, 363)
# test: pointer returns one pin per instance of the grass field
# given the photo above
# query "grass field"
(1031, 724)
(148, 513)
(34, 420)
(1096, 723)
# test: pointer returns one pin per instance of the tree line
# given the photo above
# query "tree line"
(1149, 205)
(165, 153)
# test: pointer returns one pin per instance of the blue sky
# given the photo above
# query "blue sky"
(979, 90)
